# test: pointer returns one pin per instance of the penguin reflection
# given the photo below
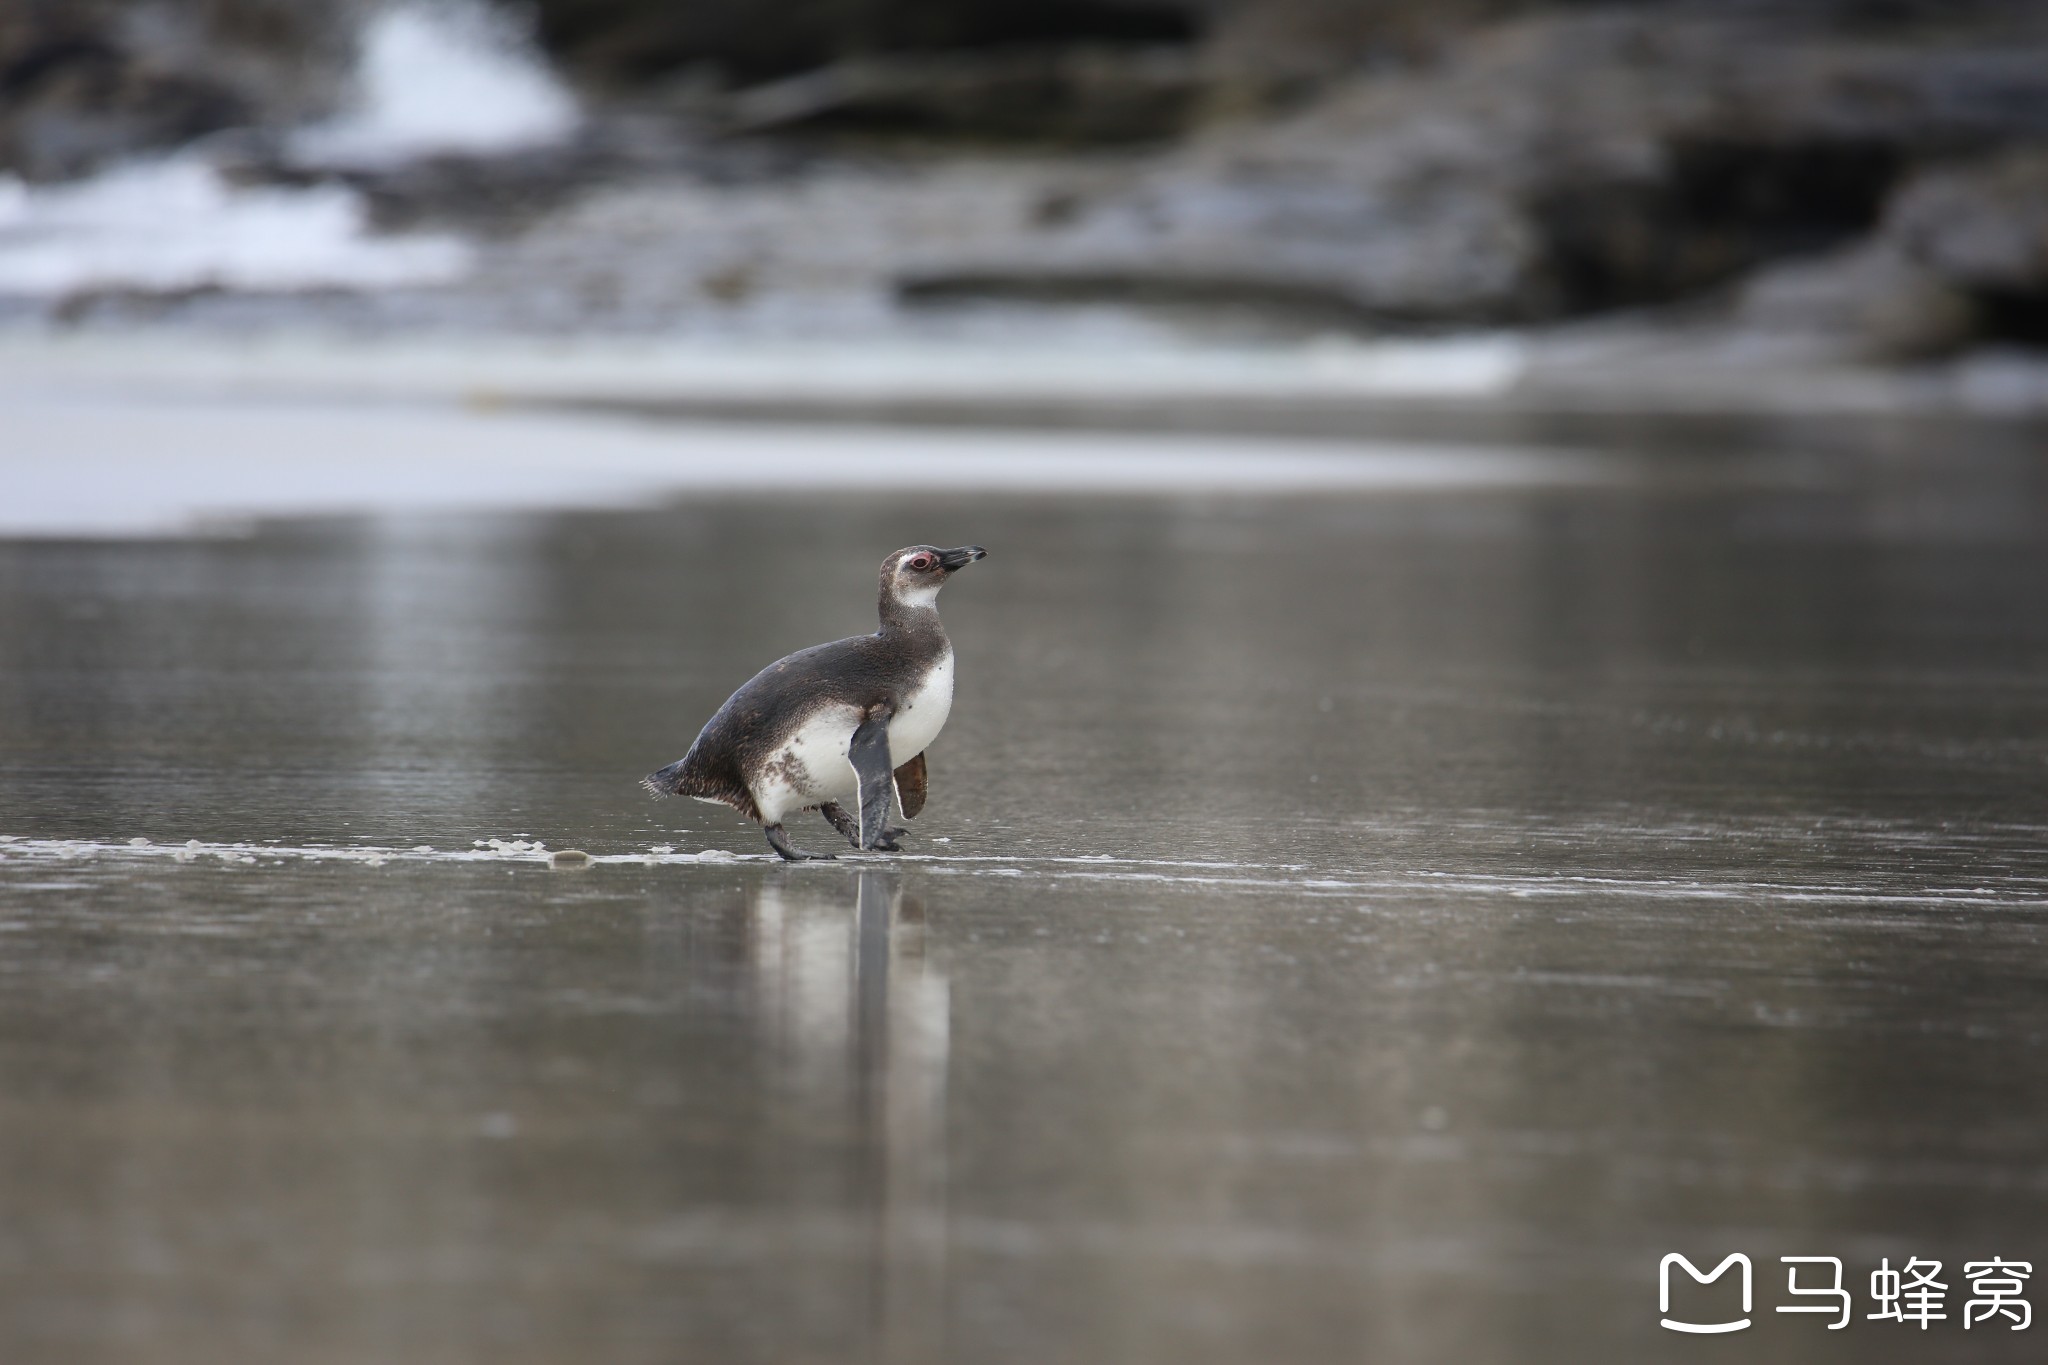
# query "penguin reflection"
(861, 1022)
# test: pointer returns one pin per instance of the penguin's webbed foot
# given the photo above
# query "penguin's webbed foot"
(788, 852)
(848, 827)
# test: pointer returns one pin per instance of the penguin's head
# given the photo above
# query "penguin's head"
(915, 574)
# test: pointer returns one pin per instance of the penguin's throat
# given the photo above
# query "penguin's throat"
(911, 609)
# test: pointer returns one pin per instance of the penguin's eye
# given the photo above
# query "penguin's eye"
(919, 563)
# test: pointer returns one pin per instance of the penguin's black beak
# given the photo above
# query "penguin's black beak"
(950, 560)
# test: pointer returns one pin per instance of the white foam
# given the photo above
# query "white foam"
(454, 78)
(1426, 885)
(175, 224)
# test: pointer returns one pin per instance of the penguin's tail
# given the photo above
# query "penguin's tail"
(688, 776)
(669, 781)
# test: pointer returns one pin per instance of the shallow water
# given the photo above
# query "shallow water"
(1370, 927)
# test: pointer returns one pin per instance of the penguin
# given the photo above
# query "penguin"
(839, 722)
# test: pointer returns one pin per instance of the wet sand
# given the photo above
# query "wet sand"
(1375, 925)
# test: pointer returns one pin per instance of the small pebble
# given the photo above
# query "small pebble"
(570, 857)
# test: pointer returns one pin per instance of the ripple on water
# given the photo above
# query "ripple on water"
(1193, 874)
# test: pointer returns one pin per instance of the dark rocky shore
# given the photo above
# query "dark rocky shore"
(1861, 182)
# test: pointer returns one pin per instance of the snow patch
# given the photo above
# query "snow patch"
(176, 224)
(450, 79)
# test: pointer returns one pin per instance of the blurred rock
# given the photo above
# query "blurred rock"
(1984, 226)
(627, 42)
(1547, 168)
(1982, 230)
(72, 95)
(1869, 302)
(1081, 97)
(1960, 257)
(84, 82)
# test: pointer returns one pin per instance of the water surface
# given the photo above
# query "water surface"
(1370, 926)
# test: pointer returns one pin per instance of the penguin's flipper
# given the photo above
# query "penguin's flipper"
(869, 754)
(910, 787)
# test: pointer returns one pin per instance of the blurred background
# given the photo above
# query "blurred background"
(1811, 202)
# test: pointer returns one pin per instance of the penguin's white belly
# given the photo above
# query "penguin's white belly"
(811, 767)
(923, 714)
